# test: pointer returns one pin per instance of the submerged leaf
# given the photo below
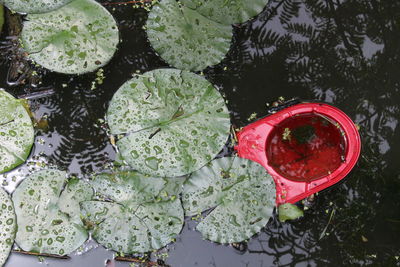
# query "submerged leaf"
(289, 211)
(186, 39)
(42, 224)
(76, 38)
(34, 6)
(227, 11)
(174, 122)
(16, 132)
(142, 213)
(8, 226)
(242, 192)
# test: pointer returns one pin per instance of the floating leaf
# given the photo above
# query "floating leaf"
(1, 17)
(8, 226)
(16, 132)
(186, 39)
(76, 38)
(141, 213)
(289, 211)
(34, 6)
(241, 191)
(74, 193)
(174, 122)
(227, 11)
(42, 226)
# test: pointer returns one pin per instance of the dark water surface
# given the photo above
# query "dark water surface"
(342, 52)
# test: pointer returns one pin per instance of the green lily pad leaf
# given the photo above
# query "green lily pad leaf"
(186, 39)
(34, 6)
(174, 122)
(76, 38)
(127, 187)
(227, 11)
(16, 132)
(134, 213)
(1, 17)
(8, 226)
(241, 191)
(74, 193)
(42, 226)
(289, 211)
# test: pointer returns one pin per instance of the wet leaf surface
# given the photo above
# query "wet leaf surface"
(1, 17)
(34, 6)
(227, 11)
(16, 132)
(8, 226)
(44, 224)
(184, 38)
(289, 211)
(174, 121)
(242, 193)
(79, 37)
(141, 213)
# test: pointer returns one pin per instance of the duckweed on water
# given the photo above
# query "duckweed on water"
(241, 192)
(48, 216)
(7, 226)
(143, 213)
(79, 37)
(174, 122)
(16, 132)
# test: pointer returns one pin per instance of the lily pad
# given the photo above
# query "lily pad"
(45, 225)
(289, 211)
(74, 193)
(134, 213)
(34, 6)
(8, 226)
(227, 11)
(1, 17)
(76, 38)
(16, 132)
(174, 122)
(242, 194)
(186, 39)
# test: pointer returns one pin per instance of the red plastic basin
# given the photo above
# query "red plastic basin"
(306, 148)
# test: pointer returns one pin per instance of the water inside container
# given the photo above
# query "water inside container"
(306, 147)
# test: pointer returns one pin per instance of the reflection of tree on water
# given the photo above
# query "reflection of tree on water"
(347, 53)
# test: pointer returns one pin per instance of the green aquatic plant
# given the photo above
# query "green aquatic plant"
(79, 37)
(8, 226)
(227, 11)
(193, 34)
(48, 216)
(16, 132)
(289, 211)
(134, 213)
(1, 17)
(186, 39)
(34, 6)
(172, 122)
(241, 194)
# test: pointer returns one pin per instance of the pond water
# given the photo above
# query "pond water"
(342, 52)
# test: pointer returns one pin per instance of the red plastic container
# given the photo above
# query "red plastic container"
(306, 148)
